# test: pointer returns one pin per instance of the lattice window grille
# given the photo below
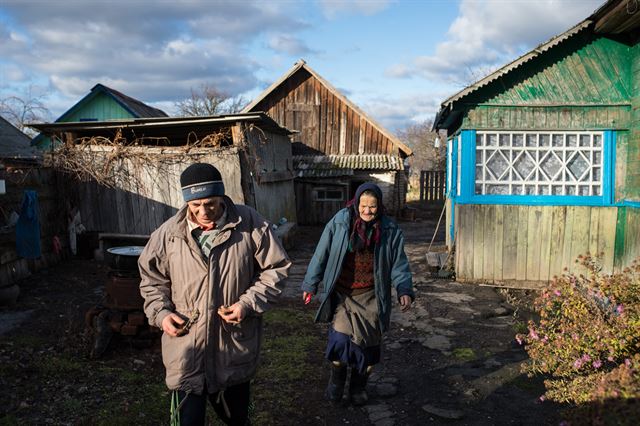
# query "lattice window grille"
(554, 163)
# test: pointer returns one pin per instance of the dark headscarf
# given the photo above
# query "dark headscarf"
(365, 235)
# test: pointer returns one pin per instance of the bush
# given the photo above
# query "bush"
(587, 341)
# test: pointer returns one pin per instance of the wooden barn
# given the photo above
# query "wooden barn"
(130, 169)
(544, 157)
(336, 146)
(100, 104)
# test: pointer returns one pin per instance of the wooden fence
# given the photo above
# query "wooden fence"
(433, 185)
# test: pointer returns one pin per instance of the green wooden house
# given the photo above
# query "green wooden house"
(101, 104)
(544, 156)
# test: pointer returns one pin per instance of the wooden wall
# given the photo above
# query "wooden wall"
(272, 191)
(527, 245)
(147, 196)
(325, 122)
(633, 153)
(51, 189)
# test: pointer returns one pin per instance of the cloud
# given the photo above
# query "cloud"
(331, 9)
(155, 51)
(397, 112)
(286, 43)
(487, 35)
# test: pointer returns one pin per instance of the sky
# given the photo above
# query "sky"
(398, 60)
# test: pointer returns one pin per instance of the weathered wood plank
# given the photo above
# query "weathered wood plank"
(489, 241)
(464, 241)
(545, 242)
(533, 243)
(594, 233)
(478, 242)
(567, 253)
(556, 247)
(510, 242)
(607, 237)
(498, 242)
(580, 237)
(522, 241)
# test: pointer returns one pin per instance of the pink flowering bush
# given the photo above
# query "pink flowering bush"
(587, 341)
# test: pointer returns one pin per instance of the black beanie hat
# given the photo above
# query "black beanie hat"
(201, 180)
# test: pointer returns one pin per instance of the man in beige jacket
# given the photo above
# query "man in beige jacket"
(208, 275)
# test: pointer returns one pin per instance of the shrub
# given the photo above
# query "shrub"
(587, 341)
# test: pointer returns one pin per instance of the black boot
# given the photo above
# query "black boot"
(358, 387)
(336, 382)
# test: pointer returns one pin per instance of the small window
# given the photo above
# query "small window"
(329, 194)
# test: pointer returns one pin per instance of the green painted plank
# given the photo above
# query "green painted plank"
(618, 251)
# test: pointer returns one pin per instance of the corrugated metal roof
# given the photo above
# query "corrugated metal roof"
(614, 17)
(343, 165)
(515, 64)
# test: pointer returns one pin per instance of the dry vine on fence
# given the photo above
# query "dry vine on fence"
(119, 163)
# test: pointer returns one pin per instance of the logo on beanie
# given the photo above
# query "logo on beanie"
(195, 190)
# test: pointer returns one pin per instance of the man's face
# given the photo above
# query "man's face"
(205, 211)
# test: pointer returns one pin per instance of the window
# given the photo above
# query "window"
(541, 167)
(328, 194)
(539, 163)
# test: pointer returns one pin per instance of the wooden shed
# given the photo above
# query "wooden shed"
(544, 156)
(131, 181)
(336, 146)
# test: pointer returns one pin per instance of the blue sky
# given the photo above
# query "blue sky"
(397, 60)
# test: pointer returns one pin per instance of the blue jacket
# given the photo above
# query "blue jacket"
(391, 266)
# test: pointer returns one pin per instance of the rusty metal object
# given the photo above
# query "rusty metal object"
(121, 310)
(123, 292)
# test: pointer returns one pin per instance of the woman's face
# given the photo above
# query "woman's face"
(368, 207)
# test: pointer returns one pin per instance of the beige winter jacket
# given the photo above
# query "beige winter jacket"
(247, 264)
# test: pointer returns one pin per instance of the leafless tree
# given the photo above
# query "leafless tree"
(21, 110)
(421, 140)
(209, 101)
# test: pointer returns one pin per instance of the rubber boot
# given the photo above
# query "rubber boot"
(358, 387)
(338, 377)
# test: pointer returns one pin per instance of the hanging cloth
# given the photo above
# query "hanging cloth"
(28, 227)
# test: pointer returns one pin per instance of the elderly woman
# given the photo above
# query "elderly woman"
(359, 256)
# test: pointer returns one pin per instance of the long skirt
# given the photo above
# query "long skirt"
(355, 335)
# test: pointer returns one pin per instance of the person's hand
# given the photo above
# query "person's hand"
(405, 303)
(232, 314)
(172, 323)
(306, 297)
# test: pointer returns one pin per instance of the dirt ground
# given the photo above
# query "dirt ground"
(451, 360)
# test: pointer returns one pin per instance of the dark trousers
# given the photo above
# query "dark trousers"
(194, 408)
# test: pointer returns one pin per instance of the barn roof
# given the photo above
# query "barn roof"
(611, 18)
(301, 64)
(343, 165)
